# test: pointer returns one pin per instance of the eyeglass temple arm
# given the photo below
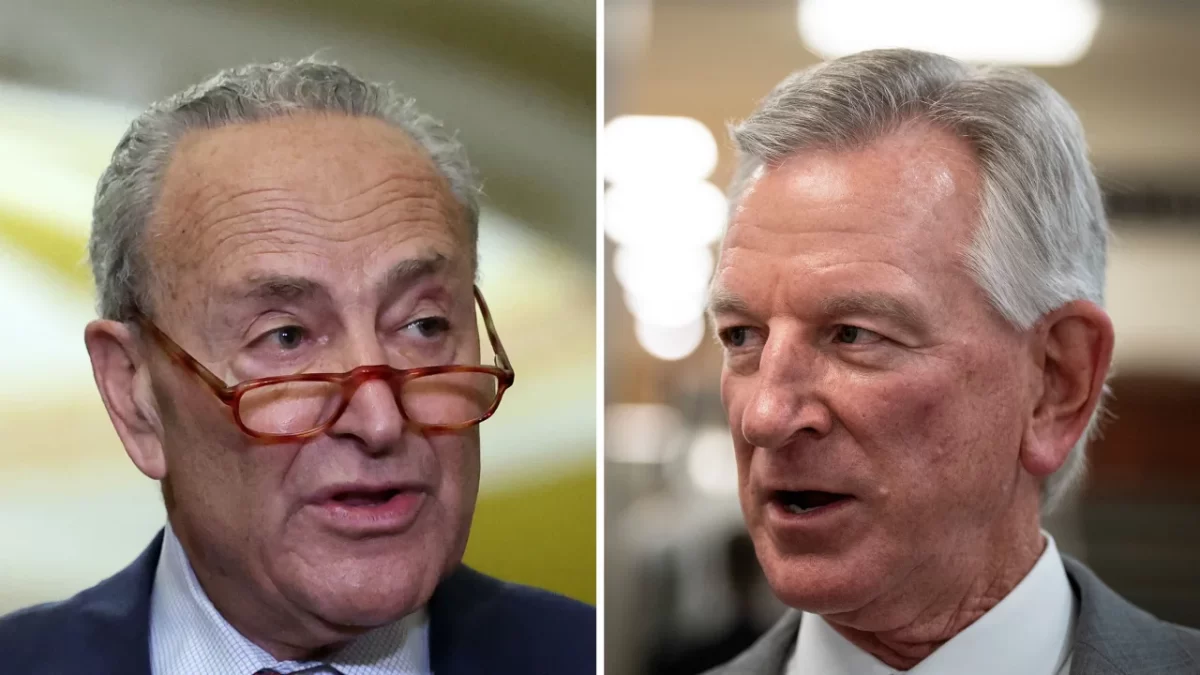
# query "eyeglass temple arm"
(223, 391)
(493, 336)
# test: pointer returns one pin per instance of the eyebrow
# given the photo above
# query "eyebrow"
(873, 304)
(407, 272)
(292, 289)
(724, 301)
(276, 287)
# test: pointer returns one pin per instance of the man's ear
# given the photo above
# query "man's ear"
(1074, 351)
(123, 378)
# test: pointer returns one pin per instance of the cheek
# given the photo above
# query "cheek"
(218, 476)
(457, 460)
(943, 435)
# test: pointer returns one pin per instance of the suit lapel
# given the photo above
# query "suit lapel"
(769, 655)
(111, 620)
(458, 634)
(1114, 636)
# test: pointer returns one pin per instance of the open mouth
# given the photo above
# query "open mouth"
(364, 498)
(807, 501)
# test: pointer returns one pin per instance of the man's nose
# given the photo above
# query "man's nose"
(785, 401)
(373, 414)
(373, 417)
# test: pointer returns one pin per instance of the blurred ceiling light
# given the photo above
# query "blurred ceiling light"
(670, 343)
(642, 433)
(665, 308)
(665, 215)
(682, 269)
(711, 464)
(653, 147)
(1027, 32)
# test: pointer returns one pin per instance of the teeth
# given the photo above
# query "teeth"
(796, 508)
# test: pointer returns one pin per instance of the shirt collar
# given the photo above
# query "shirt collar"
(1029, 631)
(189, 636)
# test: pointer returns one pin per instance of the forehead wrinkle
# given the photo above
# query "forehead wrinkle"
(425, 210)
(210, 204)
(414, 209)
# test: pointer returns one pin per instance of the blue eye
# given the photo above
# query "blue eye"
(736, 336)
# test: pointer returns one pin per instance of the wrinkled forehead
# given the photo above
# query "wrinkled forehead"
(919, 186)
(904, 207)
(310, 191)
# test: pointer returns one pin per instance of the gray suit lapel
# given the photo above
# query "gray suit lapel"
(769, 654)
(1113, 636)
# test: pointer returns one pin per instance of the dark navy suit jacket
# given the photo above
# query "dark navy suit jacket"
(477, 624)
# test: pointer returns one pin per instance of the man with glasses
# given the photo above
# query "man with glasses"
(285, 257)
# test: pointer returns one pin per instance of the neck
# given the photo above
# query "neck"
(961, 595)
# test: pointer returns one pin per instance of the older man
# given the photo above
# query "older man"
(909, 298)
(285, 257)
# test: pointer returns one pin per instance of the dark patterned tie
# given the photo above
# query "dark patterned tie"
(266, 671)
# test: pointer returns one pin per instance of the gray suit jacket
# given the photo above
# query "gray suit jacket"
(1112, 637)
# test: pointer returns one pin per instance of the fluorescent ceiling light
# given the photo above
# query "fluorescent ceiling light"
(1027, 32)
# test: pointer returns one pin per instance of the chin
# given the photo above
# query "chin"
(367, 593)
(369, 583)
(821, 583)
(369, 610)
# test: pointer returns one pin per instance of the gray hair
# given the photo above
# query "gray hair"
(129, 188)
(1043, 235)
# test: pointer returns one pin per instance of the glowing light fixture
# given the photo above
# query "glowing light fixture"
(670, 343)
(1026, 32)
(642, 433)
(650, 147)
(663, 215)
(711, 463)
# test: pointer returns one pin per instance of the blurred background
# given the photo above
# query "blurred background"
(682, 587)
(516, 77)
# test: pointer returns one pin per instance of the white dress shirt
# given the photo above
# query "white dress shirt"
(188, 636)
(1028, 632)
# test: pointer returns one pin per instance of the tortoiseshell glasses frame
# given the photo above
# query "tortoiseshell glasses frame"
(349, 382)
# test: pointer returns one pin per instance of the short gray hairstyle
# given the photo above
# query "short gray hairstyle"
(129, 188)
(1042, 237)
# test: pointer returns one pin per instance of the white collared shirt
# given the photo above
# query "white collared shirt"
(1028, 632)
(188, 636)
